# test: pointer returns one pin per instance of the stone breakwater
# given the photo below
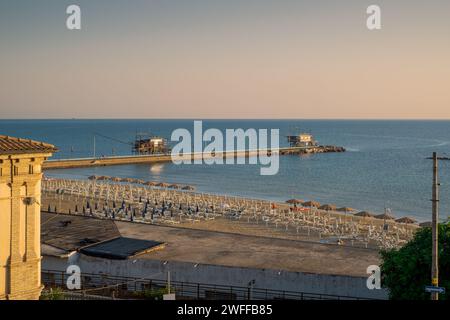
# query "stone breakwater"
(312, 150)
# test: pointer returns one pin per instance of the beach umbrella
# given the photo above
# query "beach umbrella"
(364, 214)
(311, 204)
(406, 220)
(385, 216)
(295, 201)
(162, 185)
(327, 207)
(345, 209)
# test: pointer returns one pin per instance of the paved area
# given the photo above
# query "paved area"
(209, 247)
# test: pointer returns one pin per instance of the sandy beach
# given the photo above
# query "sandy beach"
(160, 205)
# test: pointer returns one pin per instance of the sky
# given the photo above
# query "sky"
(225, 59)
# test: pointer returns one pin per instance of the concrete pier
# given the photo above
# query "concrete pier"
(135, 159)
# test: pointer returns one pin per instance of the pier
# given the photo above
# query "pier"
(154, 158)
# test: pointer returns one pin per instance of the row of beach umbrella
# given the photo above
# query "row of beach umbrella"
(142, 182)
(364, 214)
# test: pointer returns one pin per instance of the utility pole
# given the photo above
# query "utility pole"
(435, 222)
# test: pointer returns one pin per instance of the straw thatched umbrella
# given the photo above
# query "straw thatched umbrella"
(406, 220)
(311, 204)
(345, 209)
(162, 185)
(364, 214)
(328, 207)
(295, 201)
(427, 224)
(385, 216)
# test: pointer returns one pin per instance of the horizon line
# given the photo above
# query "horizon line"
(234, 119)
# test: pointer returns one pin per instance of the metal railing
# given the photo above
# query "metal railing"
(129, 287)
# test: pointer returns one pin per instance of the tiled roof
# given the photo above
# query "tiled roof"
(10, 145)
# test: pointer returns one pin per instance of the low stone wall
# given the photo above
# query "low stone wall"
(222, 275)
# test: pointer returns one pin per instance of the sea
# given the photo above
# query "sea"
(386, 164)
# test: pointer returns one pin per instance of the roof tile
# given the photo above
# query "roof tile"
(11, 145)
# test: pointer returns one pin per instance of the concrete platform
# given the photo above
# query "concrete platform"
(216, 248)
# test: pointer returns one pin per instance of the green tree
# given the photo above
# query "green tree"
(406, 271)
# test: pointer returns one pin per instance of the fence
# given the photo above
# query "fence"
(128, 287)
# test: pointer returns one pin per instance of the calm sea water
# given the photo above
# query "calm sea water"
(385, 165)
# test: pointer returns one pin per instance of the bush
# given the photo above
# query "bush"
(406, 271)
(153, 293)
(52, 294)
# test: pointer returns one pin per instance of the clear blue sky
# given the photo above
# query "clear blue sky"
(224, 59)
